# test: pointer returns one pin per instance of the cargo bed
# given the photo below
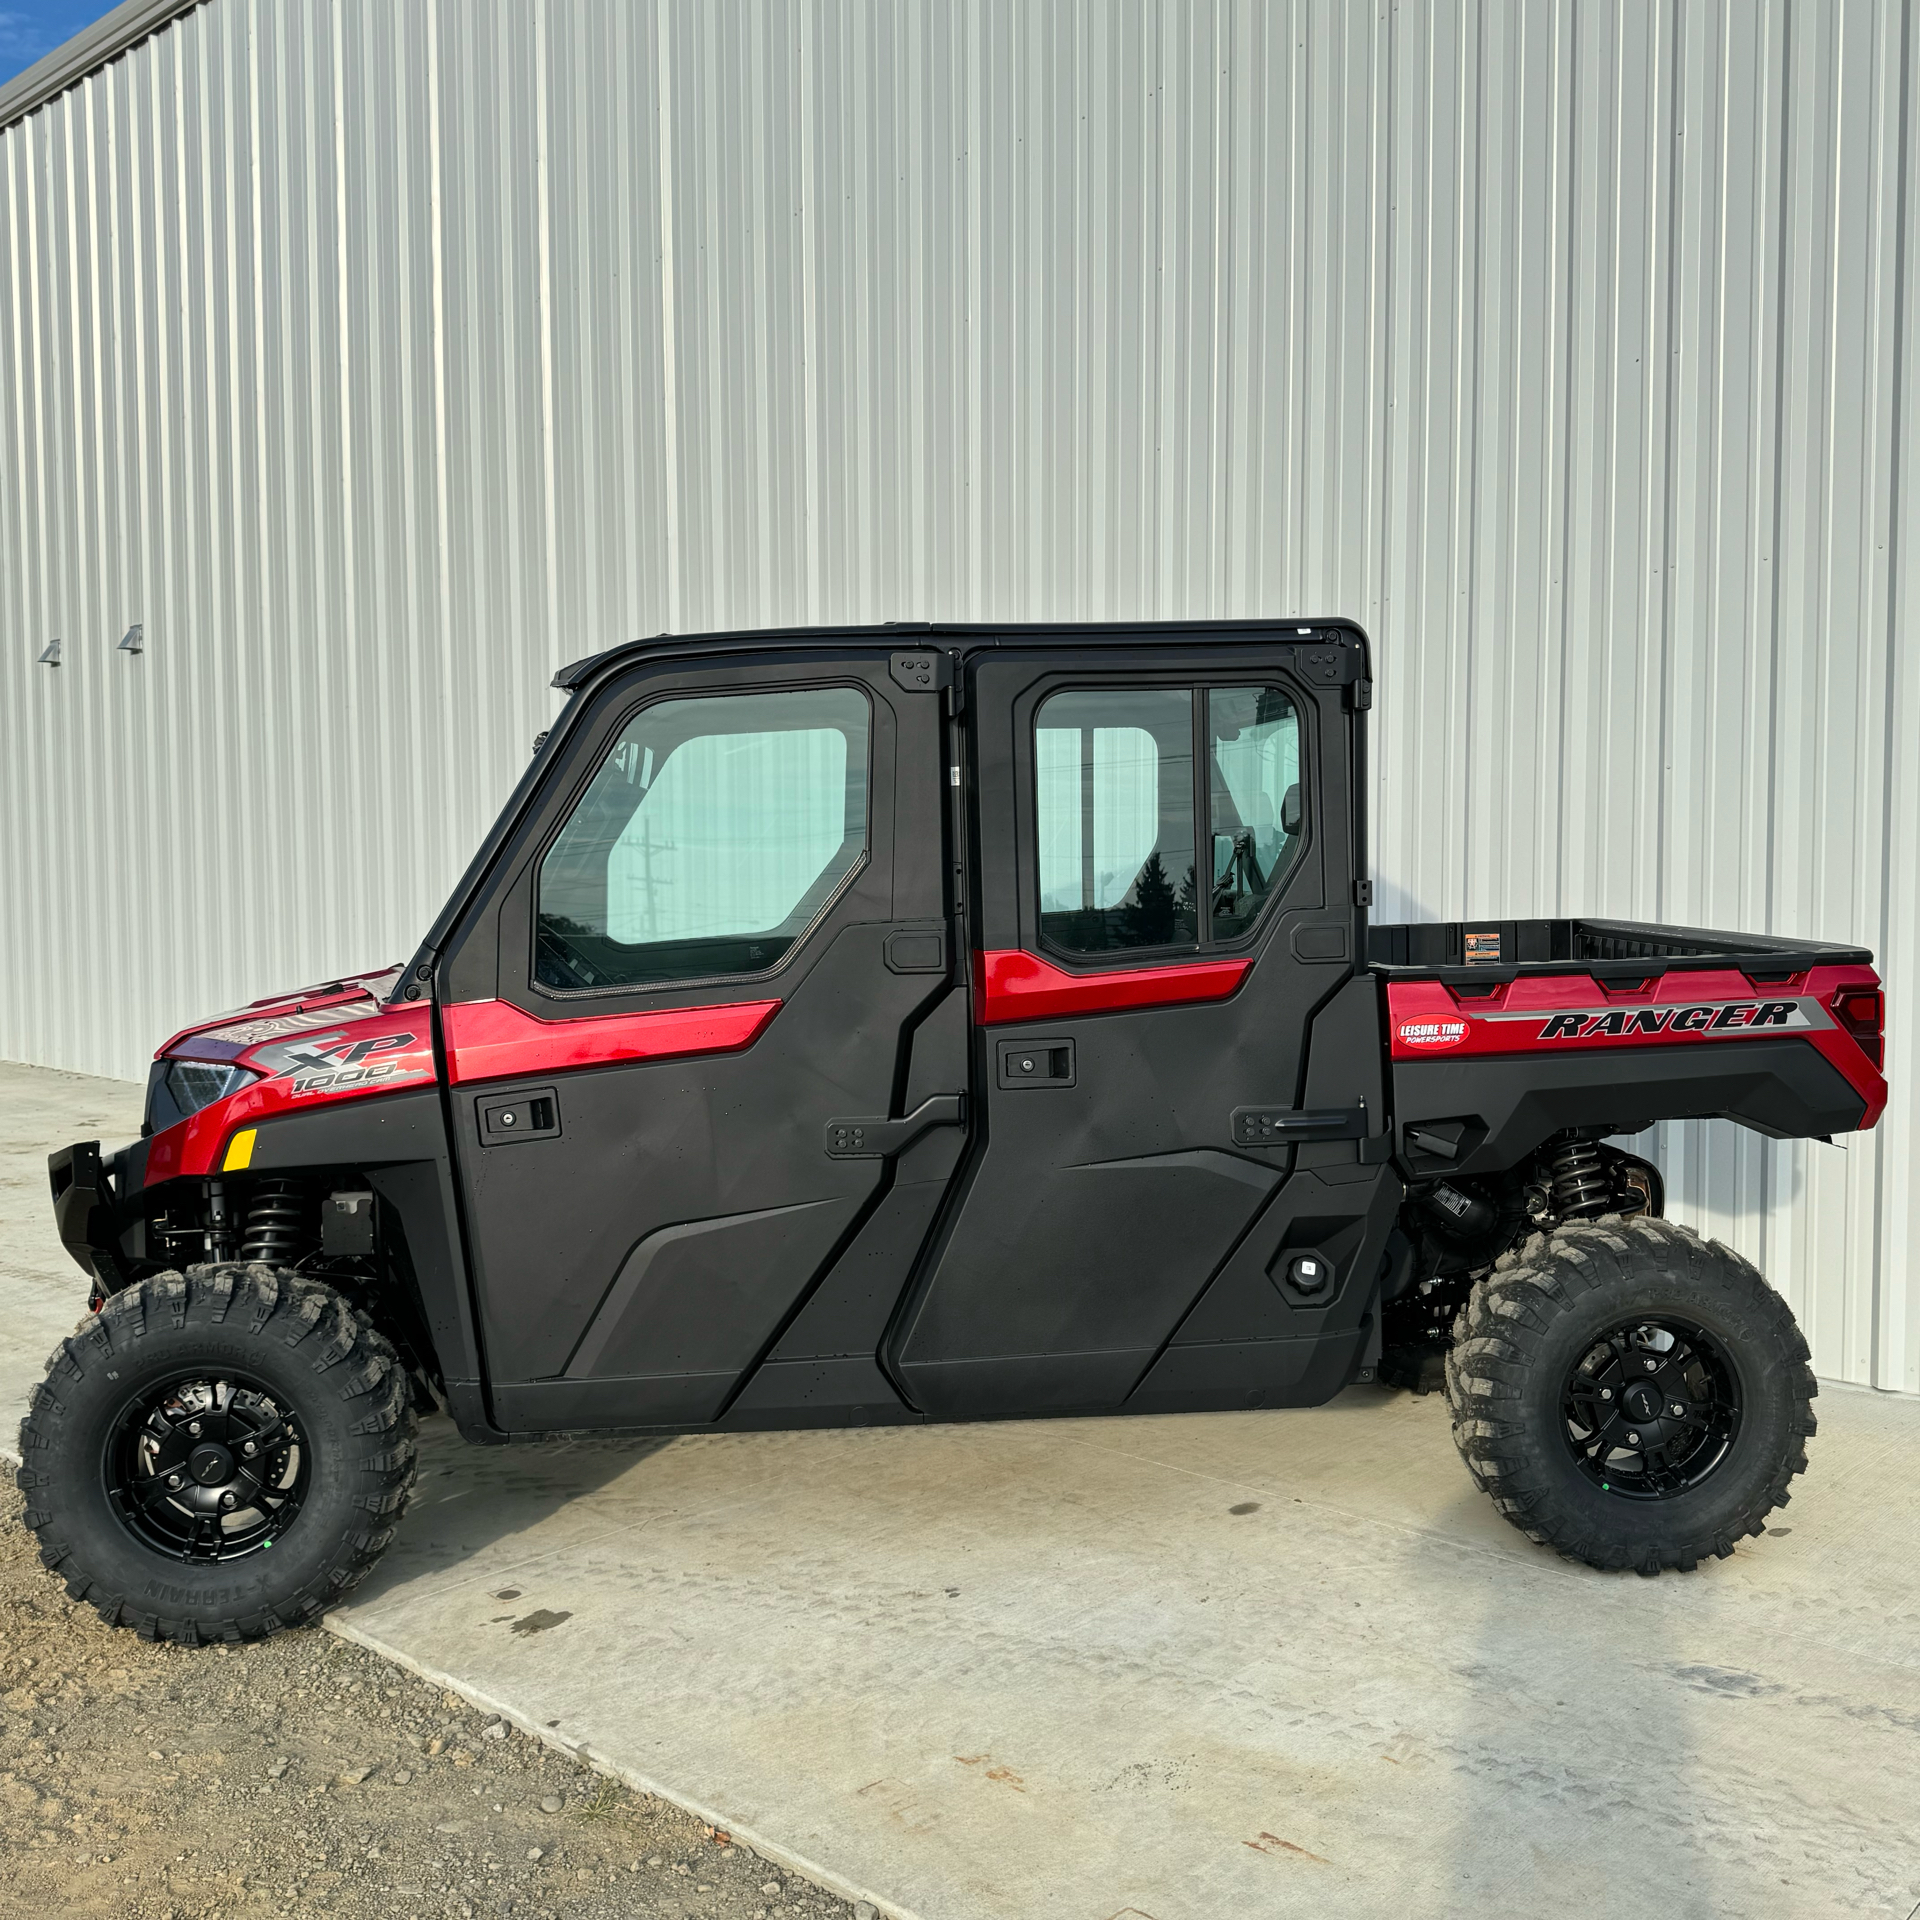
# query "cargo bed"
(1607, 950)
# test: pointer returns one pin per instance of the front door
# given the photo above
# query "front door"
(1165, 847)
(680, 1030)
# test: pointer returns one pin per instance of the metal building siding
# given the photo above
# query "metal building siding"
(378, 359)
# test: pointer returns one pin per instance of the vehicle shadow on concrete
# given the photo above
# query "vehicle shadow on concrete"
(475, 1507)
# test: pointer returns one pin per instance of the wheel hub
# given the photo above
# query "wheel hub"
(207, 1468)
(1643, 1400)
(1651, 1408)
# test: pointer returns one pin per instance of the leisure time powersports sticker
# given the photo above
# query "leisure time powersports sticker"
(1430, 1033)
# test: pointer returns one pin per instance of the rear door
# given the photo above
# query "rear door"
(1166, 898)
(679, 1030)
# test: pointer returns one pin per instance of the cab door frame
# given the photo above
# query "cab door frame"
(979, 1336)
(753, 1085)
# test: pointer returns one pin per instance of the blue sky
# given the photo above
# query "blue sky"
(30, 28)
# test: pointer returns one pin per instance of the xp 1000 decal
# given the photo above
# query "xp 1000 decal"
(338, 1062)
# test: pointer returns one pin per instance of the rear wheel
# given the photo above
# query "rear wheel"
(1630, 1394)
(217, 1454)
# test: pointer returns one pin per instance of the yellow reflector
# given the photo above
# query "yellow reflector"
(239, 1151)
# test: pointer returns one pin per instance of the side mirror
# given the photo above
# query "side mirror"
(1290, 811)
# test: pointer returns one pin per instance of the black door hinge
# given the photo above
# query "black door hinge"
(1289, 1126)
(926, 670)
(1363, 893)
(1360, 696)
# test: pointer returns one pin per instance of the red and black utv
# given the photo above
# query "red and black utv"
(934, 1023)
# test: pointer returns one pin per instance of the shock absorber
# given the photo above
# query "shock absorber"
(276, 1223)
(1580, 1183)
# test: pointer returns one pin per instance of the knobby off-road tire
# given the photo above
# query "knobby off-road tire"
(1525, 1378)
(168, 1386)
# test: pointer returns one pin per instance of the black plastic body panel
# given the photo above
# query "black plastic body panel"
(1784, 1088)
(1096, 1208)
(1251, 1341)
(636, 1266)
(400, 1141)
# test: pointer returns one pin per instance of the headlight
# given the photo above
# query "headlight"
(180, 1087)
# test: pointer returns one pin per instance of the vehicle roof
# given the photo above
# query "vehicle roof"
(973, 636)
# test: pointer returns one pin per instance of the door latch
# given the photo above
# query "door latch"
(506, 1117)
(1034, 1063)
(882, 1139)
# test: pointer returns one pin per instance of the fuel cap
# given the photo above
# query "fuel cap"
(1308, 1272)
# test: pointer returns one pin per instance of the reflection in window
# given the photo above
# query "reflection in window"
(1254, 808)
(1114, 807)
(712, 835)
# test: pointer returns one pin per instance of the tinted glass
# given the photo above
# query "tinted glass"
(1114, 802)
(1254, 800)
(711, 837)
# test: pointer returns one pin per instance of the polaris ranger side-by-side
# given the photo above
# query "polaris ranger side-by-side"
(915, 1024)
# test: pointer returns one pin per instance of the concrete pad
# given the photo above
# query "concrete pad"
(1047, 1668)
(1189, 1666)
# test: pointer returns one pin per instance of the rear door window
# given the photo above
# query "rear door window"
(1115, 802)
(1113, 778)
(1255, 813)
(713, 835)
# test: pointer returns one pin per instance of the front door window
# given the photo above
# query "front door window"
(713, 835)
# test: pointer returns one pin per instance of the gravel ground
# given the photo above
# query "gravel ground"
(305, 1775)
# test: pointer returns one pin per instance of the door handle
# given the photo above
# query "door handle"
(882, 1139)
(1288, 1126)
(529, 1115)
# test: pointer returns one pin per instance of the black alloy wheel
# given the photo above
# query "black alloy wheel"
(1652, 1408)
(218, 1454)
(1630, 1394)
(207, 1468)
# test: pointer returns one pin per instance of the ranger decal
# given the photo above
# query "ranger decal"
(1614, 1023)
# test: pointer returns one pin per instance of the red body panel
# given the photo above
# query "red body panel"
(1548, 1013)
(1015, 985)
(493, 1040)
(355, 1050)
(373, 987)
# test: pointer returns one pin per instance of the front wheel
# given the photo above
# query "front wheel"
(1630, 1394)
(218, 1454)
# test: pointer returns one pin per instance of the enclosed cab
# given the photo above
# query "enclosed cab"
(911, 1024)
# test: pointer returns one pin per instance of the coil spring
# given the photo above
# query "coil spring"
(276, 1223)
(1581, 1185)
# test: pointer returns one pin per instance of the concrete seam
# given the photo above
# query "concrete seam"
(738, 1832)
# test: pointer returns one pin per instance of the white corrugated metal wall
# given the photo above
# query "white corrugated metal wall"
(377, 359)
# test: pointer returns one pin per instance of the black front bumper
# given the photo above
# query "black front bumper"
(87, 1206)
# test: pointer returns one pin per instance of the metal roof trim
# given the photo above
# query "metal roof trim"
(576, 673)
(86, 53)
